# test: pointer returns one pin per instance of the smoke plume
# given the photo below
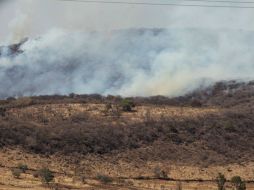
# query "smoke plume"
(130, 57)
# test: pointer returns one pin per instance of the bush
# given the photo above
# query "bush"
(160, 174)
(196, 103)
(2, 111)
(237, 183)
(46, 175)
(16, 172)
(127, 105)
(104, 179)
(221, 180)
(112, 109)
(23, 167)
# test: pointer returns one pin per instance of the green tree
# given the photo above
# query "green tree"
(221, 180)
(127, 105)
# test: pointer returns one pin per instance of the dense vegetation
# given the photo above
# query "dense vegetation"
(211, 138)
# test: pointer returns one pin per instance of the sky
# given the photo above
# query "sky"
(31, 18)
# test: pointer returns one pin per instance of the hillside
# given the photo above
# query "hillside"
(189, 138)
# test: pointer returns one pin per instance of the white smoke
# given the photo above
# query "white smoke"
(95, 51)
(127, 62)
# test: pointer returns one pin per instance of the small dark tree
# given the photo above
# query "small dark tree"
(221, 180)
(46, 175)
(237, 183)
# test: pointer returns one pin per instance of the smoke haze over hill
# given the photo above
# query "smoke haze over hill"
(94, 51)
(127, 62)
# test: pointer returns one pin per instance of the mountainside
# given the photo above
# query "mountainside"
(207, 131)
(191, 137)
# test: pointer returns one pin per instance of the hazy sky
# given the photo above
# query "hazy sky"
(20, 18)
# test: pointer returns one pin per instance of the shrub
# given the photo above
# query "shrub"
(104, 179)
(16, 172)
(237, 183)
(108, 107)
(127, 105)
(196, 103)
(116, 111)
(112, 110)
(79, 175)
(10, 99)
(23, 167)
(79, 117)
(221, 180)
(2, 111)
(159, 173)
(46, 175)
(72, 95)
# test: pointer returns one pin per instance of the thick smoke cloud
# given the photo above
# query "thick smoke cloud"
(127, 62)
(92, 48)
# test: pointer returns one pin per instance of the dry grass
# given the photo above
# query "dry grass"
(50, 113)
(199, 178)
